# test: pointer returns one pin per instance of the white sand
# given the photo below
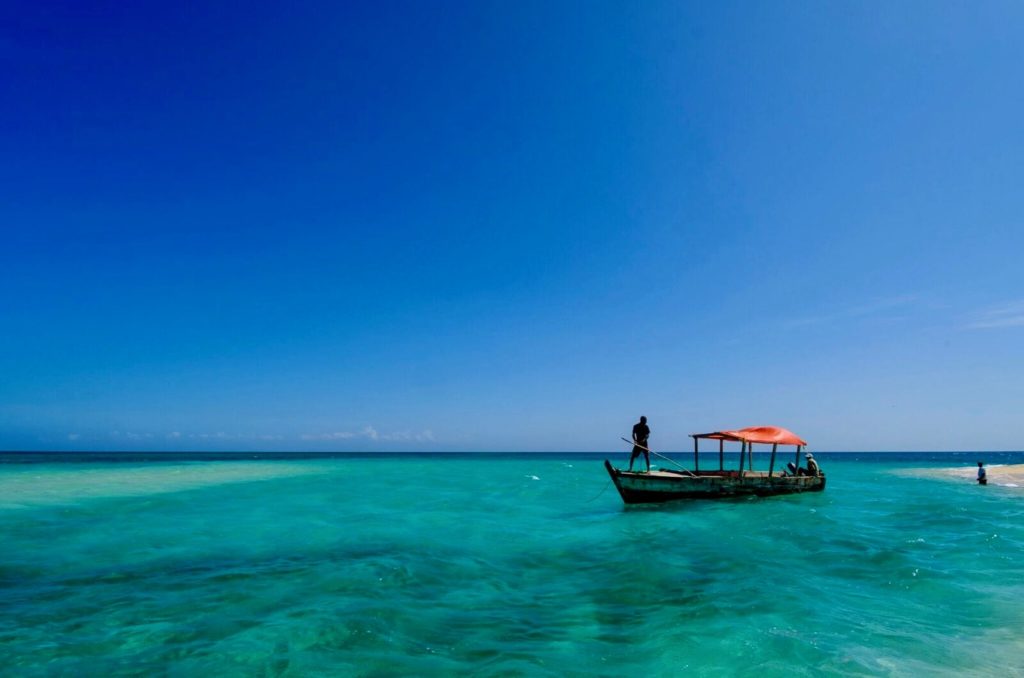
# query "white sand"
(39, 486)
(1006, 475)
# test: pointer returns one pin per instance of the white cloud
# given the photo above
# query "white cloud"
(1006, 315)
(864, 310)
(136, 436)
(178, 435)
(370, 433)
(337, 435)
(408, 436)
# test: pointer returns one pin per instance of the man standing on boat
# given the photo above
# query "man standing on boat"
(640, 435)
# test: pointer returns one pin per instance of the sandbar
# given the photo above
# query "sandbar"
(1005, 475)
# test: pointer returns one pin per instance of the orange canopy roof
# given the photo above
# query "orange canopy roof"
(756, 434)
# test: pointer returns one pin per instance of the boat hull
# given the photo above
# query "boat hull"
(661, 486)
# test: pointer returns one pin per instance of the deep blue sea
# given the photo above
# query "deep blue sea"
(500, 564)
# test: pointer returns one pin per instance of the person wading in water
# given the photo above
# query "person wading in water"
(640, 435)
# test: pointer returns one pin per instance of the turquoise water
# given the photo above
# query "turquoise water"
(509, 565)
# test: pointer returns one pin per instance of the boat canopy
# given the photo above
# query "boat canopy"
(756, 434)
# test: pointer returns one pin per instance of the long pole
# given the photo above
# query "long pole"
(696, 461)
(721, 454)
(771, 466)
(671, 461)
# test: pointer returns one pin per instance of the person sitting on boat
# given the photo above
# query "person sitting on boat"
(640, 435)
(982, 479)
(812, 466)
(793, 470)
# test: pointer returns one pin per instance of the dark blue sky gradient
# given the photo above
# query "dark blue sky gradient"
(510, 226)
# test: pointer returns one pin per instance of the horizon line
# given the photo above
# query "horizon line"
(373, 452)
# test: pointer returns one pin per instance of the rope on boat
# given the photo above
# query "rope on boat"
(600, 493)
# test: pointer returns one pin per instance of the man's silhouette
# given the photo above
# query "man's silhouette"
(640, 435)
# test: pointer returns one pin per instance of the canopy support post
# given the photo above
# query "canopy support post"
(721, 454)
(771, 466)
(696, 463)
(743, 453)
(750, 456)
(798, 457)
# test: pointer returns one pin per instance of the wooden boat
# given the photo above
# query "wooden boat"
(669, 485)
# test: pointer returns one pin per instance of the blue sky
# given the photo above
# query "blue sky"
(510, 226)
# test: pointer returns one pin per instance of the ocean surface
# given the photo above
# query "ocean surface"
(278, 565)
